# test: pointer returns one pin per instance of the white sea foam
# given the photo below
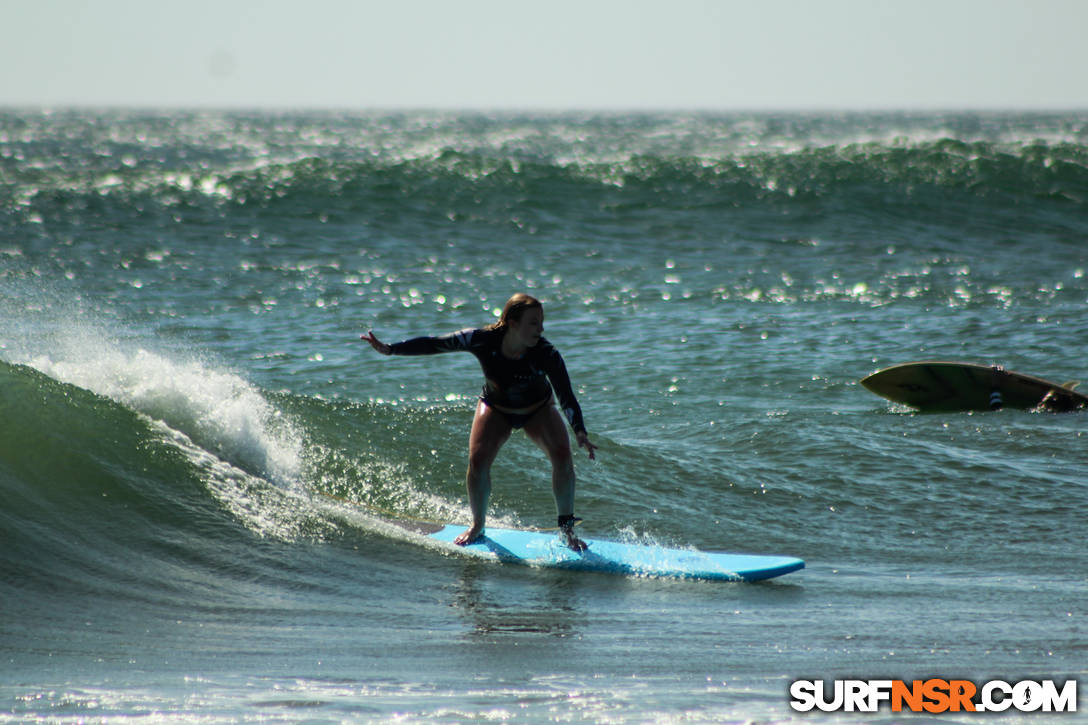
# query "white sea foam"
(216, 408)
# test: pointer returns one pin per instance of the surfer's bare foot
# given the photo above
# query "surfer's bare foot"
(469, 535)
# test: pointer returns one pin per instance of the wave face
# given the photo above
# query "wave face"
(115, 483)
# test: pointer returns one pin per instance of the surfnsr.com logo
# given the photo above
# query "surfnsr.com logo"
(934, 696)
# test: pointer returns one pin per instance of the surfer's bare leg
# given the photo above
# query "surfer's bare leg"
(548, 431)
(489, 431)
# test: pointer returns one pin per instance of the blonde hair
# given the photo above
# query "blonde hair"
(515, 307)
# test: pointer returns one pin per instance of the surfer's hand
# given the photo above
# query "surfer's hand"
(377, 344)
(583, 442)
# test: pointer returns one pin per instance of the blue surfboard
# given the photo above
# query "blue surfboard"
(546, 549)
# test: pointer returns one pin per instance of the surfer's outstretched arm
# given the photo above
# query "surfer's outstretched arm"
(377, 344)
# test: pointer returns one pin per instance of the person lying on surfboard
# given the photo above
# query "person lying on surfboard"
(518, 364)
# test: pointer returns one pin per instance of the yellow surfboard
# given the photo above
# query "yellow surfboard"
(944, 385)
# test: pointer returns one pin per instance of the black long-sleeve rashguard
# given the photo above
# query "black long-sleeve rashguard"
(513, 384)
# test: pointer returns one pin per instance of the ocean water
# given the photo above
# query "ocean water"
(196, 450)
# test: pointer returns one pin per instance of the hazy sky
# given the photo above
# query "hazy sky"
(559, 54)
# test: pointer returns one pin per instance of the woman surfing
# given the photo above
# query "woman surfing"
(523, 375)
